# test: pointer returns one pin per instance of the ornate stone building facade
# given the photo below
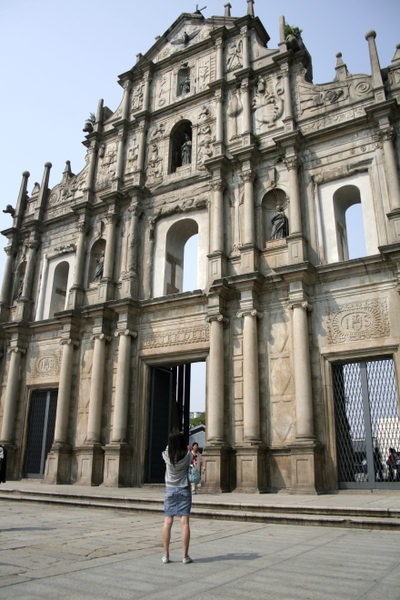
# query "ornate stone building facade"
(221, 137)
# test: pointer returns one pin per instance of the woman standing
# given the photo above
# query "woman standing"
(178, 497)
(196, 463)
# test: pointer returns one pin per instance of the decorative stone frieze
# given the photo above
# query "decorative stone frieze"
(358, 321)
(187, 335)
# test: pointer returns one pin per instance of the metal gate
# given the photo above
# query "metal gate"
(42, 417)
(169, 411)
(367, 424)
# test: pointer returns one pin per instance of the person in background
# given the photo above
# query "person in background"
(391, 463)
(195, 462)
(178, 497)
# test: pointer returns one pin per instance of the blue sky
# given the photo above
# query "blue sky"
(59, 58)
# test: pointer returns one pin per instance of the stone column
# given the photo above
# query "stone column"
(287, 95)
(110, 234)
(92, 155)
(246, 109)
(244, 33)
(130, 279)
(377, 81)
(219, 125)
(120, 155)
(302, 373)
(306, 452)
(251, 391)
(6, 288)
(250, 454)
(58, 463)
(292, 165)
(219, 61)
(125, 100)
(392, 173)
(216, 455)
(142, 145)
(248, 177)
(11, 395)
(96, 388)
(119, 428)
(215, 383)
(217, 223)
(146, 91)
(30, 269)
(75, 298)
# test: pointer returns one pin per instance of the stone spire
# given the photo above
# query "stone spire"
(341, 68)
(227, 9)
(250, 8)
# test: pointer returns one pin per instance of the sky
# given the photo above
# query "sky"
(57, 59)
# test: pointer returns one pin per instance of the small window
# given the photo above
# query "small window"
(178, 234)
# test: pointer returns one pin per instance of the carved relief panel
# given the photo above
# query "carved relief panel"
(268, 103)
(358, 321)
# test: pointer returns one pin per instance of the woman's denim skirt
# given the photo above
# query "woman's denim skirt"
(178, 501)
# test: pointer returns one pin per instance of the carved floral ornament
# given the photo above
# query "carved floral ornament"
(358, 321)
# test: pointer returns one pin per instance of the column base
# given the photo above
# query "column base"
(76, 297)
(105, 291)
(130, 286)
(216, 463)
(249, 256)
(117, 465)
(90, 460)
(23, 311)
(58, 464)
(307, 467)
(251, 468)
(216, 266)
(297, 248)
(4, 313)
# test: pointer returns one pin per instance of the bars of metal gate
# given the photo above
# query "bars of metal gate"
(367, 423)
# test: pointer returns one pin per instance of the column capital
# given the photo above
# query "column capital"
(301, 304)
(219, 42)
(251, 312)
(10, 249)
(17, 350)
(112, 218)
(101, 336)
(217, 317)
(292, 162)
(218, 184)
(69, 342)
(127, 332)
(219, 96)
(247, 175)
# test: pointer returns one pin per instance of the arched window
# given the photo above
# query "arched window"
(178, 234)
(181, 146)
(190, 260)
(345, 200)
(59, 290)
(96, 262)
(347, 219)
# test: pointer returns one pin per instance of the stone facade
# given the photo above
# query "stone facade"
(220, 136)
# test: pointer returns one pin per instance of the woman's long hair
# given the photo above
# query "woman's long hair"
(177, 447)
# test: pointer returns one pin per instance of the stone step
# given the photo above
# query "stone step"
(360, 518)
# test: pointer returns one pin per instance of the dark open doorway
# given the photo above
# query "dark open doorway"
(169, 411)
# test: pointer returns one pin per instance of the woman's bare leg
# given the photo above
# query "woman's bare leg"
(185, 534)
(166, 534)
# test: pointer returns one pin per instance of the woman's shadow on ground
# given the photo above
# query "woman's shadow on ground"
(230, 556)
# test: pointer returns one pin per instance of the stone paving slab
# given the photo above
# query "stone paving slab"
(84, 553)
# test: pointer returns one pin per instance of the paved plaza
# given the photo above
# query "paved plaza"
(50, 551)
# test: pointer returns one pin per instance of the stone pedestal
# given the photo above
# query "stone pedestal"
(307, 467)
(90, 459)
(23, 312)
(130, 286)
(117, 465)
(76, 297)
(216, 475)
(58, 464)
(216, 266)
(249, 259)
(251, 470)
(297, 248)
(105, 291)
(4, 312)
(394, 218)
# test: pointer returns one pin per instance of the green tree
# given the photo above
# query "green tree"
(198, 420)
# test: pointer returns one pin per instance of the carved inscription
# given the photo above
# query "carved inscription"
(359, 321)
(189, 335)
(46, 364)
